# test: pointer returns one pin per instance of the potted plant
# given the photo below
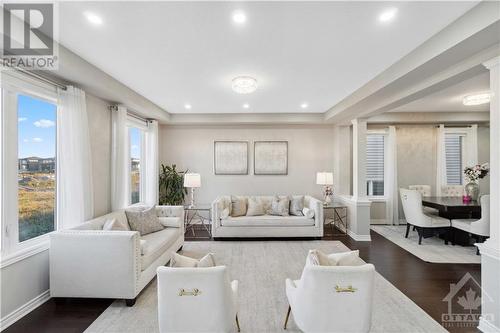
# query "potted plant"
(473, 174)
(172, 190)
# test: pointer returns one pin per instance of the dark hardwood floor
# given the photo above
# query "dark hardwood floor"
(425, 283)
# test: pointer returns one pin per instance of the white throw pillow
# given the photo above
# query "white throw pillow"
(255, 207)
(349, 258)
(113, 225)
(184, 261)
(308, 213)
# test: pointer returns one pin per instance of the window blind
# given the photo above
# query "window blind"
(375, 157)
(454, 166)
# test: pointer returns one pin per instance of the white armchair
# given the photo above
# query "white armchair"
(427, 225)
(479, 228)
(332, 298)
(204, 293)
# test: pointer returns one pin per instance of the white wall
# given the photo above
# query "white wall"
(310, 149)
(26, 279)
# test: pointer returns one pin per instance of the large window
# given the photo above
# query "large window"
(135, 138)
(454, 144)
(375, 164)
(36, 167)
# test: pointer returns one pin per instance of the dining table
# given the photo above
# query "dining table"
(455, 208)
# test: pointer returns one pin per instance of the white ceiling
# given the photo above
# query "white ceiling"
(450, 99)
(175, 53)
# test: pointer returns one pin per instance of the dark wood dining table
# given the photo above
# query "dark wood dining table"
(455, 208)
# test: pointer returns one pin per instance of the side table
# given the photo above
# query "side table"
(339, 218)
(193, 213)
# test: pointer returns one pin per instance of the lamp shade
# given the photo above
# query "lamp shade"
(192, 180)
(324, 178)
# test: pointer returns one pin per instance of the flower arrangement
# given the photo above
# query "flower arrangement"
(476, 172)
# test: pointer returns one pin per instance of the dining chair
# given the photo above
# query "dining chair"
(426, 191)
(196, 300)
(478, 229)
(332, 298)
(427, 225)
(452, 190)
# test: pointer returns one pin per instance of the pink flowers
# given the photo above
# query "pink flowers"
(476, 172)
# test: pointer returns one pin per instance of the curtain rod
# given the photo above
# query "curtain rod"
(39, 77)
(131, 114)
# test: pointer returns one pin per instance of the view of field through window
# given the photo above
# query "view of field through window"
(36, 166)
(135, 165)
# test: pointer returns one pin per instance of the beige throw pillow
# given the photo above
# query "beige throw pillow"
(179, 260)
(296, 205)
(238, 206)
(255, 207)
(349, 258)
(280, 206)
(113, 225)
(143, 220)
(308, 213)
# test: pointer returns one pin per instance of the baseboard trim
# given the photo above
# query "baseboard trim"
(378, 221)
(359, 238)
(487, 327)
(24, 309)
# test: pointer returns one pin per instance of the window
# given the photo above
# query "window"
(375, 164)
(135, 137)
(36, 167)
(454, 144)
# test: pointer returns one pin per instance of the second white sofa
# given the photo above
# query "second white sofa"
(266, 225)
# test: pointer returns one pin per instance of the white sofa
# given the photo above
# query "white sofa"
(266, 225)
(87, 261)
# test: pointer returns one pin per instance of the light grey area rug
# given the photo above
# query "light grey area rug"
(432, 249)
(261, 268)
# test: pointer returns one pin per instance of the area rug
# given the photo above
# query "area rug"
(432, 249)
(261, 268)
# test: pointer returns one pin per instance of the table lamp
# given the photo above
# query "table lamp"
(325, 179)
(192, 181)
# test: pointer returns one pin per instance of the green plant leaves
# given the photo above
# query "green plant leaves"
(172, 190)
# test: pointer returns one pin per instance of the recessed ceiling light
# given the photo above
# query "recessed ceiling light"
(246, 106)
(239, 17)
(477, 99)
(304, 105)
(93, 18)
(244, 84)
(388, 15)
(187, 106)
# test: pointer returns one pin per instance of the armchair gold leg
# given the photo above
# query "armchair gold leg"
(237, 323)
(287, 316)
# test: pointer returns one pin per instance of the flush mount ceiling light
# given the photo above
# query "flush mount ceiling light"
(239, 17)
(388, 15)
(93, 18)
(477, 99)
(244, 84)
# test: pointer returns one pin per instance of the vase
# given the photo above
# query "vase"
(472, 190)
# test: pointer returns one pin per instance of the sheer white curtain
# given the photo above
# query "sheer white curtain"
(441, 160)
(151, 164)
(75, 193)
(471, 146)
(392, 204)
(120, 159)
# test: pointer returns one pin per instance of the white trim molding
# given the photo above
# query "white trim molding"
(359, 238)
(24, 309)
(24, 253)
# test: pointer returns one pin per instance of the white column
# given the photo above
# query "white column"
(490, 250)
(359, 158)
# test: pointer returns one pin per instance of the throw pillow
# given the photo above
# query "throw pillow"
(144, 221)
(238, 206)
(224, 214)
(309, 213)
(113, 225)
(255, 207)
(280, 206)
(349, 258)
(179, 260)
(296, 205)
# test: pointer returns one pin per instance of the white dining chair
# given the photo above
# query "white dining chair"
(480, 229)
(427, 225)
(452, 190)
(196, 300)
(332, 298)
(425, 191)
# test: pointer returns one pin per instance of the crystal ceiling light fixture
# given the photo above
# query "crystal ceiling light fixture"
(477, 99)
(244, 84)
